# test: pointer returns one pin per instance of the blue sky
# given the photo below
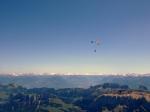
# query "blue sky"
(53, 36)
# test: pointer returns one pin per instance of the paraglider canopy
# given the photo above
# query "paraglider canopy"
(97, 42)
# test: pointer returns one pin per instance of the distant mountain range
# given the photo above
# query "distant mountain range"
(107, 97)
(74, 81)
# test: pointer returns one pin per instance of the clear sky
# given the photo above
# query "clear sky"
(53, 36)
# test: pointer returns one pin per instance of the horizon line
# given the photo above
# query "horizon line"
(78, 74)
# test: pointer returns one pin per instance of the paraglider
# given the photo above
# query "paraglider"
(96, 43)
(92, 42)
